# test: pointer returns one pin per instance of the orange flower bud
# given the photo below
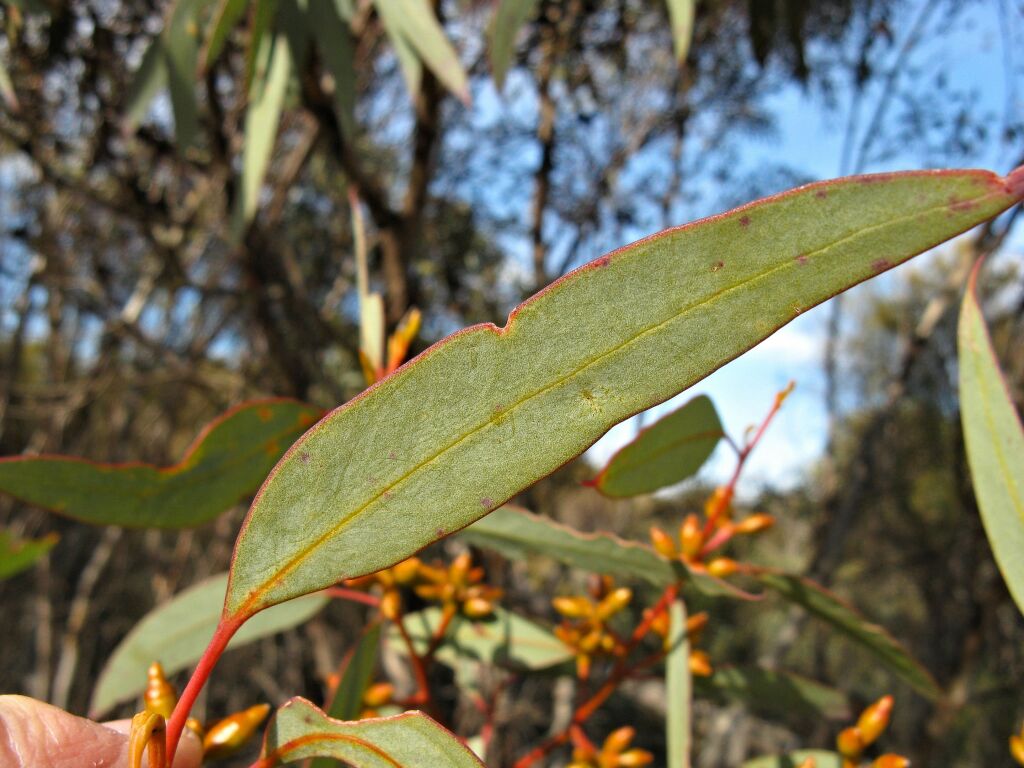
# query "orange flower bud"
(231, 733)
(583, 666)
(635, 757)
(378, 694)
(591, 641)
(614, 602)
(618, 739)
(1017, 749)
(700, 664)
(477, 607)
(573, 607)
(196, 727)
(695, 624)
(850, 743)
(874, 719)
(891, 761)
(160, 696)
(660, 624)
(407, 570)
(754, 523)
(391, 605)
(608, 644)
(460, 566)
(691, 538)
(722, 567)
(717, 504)
(663, 543)
(808, 763)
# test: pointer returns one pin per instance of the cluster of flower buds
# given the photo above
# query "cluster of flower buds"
(700, 661)
(585, 623)
(1017, 746)
(614, 753)
(697, 540)
(852, 741)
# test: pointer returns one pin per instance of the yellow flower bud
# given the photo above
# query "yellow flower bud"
(635, 757)
(874, 719)
(391, 605)
(663, 543)
(614, 602)
(573, 607)
(700, 664)
(407, 570)
(691, 537)
(695, 625)
(378, 694)
(477, 607)
(891, 761)
(619, 739)
(1017, 749)
(231, 733)
(849, 743)
(754, 523)
(160, 696)
(722, 567)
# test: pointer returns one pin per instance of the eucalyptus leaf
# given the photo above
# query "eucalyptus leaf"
(509, 17)
(17, 555)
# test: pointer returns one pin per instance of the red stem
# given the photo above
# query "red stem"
(353, 595)
(221, 636)
(419, 669)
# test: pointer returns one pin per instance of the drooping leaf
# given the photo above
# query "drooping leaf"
(181, 51)
(18, 554)
(516, 533)
(680, 14)
(414, 22)
(487, 412)
(225, 18)
(334, 43)
(822, 759)
(504, 639)
(875, 639)
(410, 740)
(776, 694)
(175, 634)
(665, 453)
(509, 17)
(266, 100)
(347, 702)
(995, 442)
(678, 687)
(149, 80)
(226, 462)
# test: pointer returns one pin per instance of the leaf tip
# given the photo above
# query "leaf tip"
(1015, 181)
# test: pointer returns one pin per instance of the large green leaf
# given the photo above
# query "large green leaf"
(175, 634)
(505, 639)
(678, 688)
(18, 554)
(487, 412)
(516, 533)
(777, 694)
(410, 740)
(665, 453)
(829, 608)
(411, 24)
(509, 17)
(225, 463)
(995, 442)
(822, 759)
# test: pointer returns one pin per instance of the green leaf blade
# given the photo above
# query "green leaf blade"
(509, 17)
(226, 462)
(822, 759)
(17, 555)
(175, 634)
(487, 412)
(678, 687)
(680, 14)
(665, 453)
(995, 442)
(774, 693)
(410, 740)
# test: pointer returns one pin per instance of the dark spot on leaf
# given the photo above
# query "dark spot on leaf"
(391, 455)
(304, 457)
(821, 193)
(586, 394)
(880, 265)
(373, 479)
(386, 494)
(601, 262)
(486, 502)
(960, 206)
(264, 413)
(717, 266)
(498, 408)
(801, 259)
(745, 221)
(439, 532)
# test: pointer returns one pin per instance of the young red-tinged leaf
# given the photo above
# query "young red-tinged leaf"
(175, 634)
(18, 554)
(875, 639)
(410, 740)
(995, 442)
(665, 453)
(487, 412)
(225, 463)
(774, 693)
(821, 757)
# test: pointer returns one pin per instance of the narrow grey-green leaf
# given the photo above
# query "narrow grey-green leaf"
(509, 17)
(16, 555)
(822, 759)
(181, 51)
(410, 740)
(679, 688)
(665, 453)
(336, 48)
(516, 533)
(415, 23)
(148, 81)
(875, 639)
(995, 442)
(175, 634)
(487, 412)
(225, 18)
(774, 693)
(680, 14)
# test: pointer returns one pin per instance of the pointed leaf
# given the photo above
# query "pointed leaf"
(149, 80)
(336, 48)
(411, 740)
(487, 412)
(680, 14)
(679, 688)
(16, 555)
(415, 23)
(822, 759)
(225, 18)
(176, 632)
(509, 17)
(774, 693)
(181, 51)
(665, 453)
(516, 533)
(873, 638)
(995, 442)
(226, 462)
